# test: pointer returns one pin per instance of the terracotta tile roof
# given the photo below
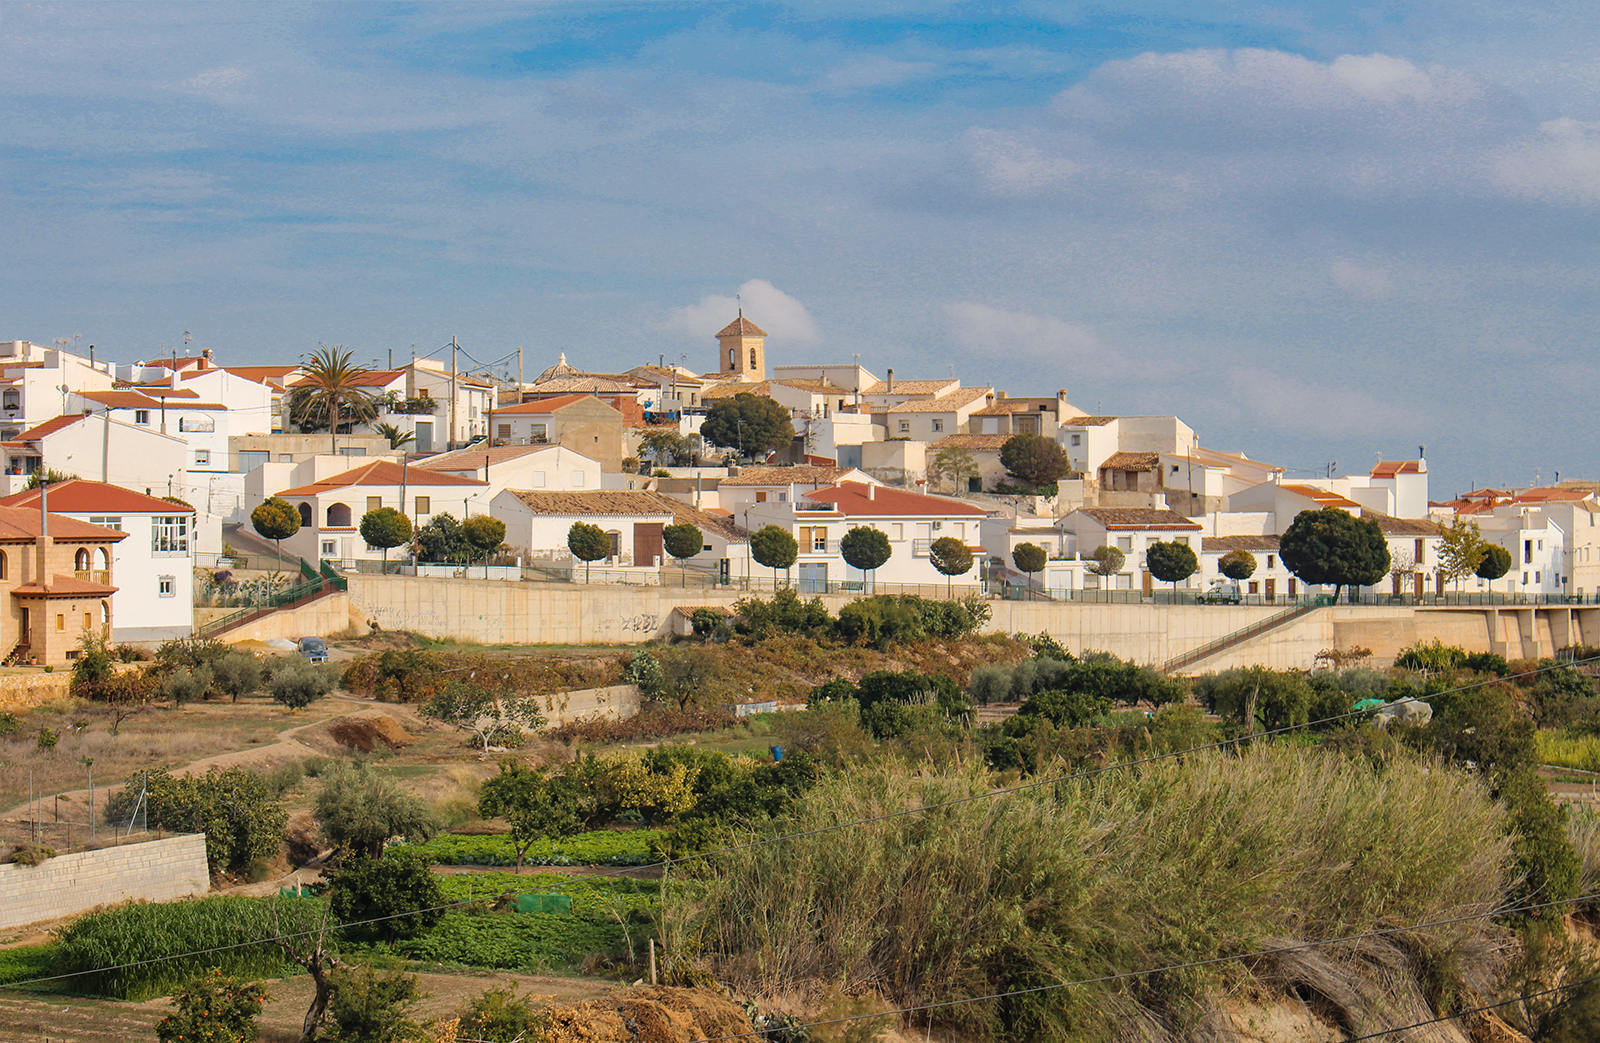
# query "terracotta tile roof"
(470, 459)
(1217, 456)
(688, 611)
(741, 327)
(1390, 468)
(378, 472)
(912, 387)
(1526, 496)
(1132, 462)
(852, 500)
(1036, 530)
(372, 378)
(81, 496)
(762, 389)
(815, 387)
(1393, 526)
(22, 523)
(1008, 406)
(1322, 496)
(585, 383)
(33, 434)
(138, 399)
(947, 403)
(805, 475)
(1088, 421)
(1140, 518)
(1223, 544)
(543, 406)
(616, 503)
(980, 443)
(64, 586)
(163, 391)
(273, 375)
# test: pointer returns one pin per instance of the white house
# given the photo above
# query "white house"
(331, 508)
(98, 447)
(154, 565)
(503, 467)
(930, 419)
(912, 521)
(539, 521)
(36, 382)
(745, 486)
(1130, 530)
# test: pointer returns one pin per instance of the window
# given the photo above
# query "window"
(141, 416)
(61, 621)
(538, 479)
(374, 503)
(106, 521)
(1419, 552)
(1527, 553)
(1077, 439)
(250, 459)
(819, 538)
(761, 496)
(1182, 541)
(504, 430)
(352, 450)
(88, 621)
(899, 532)
(1125, 544)
(328, 548)
(577, 479)
(166, 587)
(905, 425)
(783, 497)
(1255, 588)
(1536, 577)
(1269, 561)
(1174, 468)
(169, 534)
(938, 425)
(202, 458)
(424, 505)
(286, 458)
(539, 434)
(752, 358)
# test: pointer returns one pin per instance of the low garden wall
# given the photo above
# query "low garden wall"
(155, 871)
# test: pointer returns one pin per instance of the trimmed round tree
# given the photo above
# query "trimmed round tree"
(384, 528)
(275, 519)
(1034, 459)
(1171, 563)
(1107, 561)
(865, 548)
(951, 557)
(1496, 562)
(775, 548)
(588, 543)
(1029, 558)
(682, 542)
(485, 533)
(1238, 565)
(1330, 546)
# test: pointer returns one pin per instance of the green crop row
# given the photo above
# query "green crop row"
(600, 848)
(1570, 751)
(29, 961)
(516, 941)
(595, 898)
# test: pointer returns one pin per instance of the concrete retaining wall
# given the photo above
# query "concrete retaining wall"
(321, 618)
(155, 871)
(618, 701)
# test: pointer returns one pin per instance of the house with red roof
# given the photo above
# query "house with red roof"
(153, 562)
(96, 447)
(32, 377)
(59, 579)
(331, 506)
(912, 521)
(581, 422)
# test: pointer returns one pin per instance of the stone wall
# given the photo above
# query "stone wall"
(27, 688)
(155, 871)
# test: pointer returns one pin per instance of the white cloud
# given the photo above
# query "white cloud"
(1015, 336)
(1360, 281)
(784, 318)
(1562, 163)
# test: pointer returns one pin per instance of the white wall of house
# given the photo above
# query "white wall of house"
(1088, 445)
(155, 587)
(552, 468)
(35, 392)
(545, 535)
(909, 536)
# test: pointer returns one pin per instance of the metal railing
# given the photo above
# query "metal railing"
(1259, 627)
(323, 582)
(256, 562)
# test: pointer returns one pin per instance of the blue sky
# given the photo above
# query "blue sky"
(1318, 233)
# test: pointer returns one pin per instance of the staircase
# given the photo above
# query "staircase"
(319, 583)
(1244, 634)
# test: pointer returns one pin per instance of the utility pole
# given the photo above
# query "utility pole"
(449, 443)
(519, 373)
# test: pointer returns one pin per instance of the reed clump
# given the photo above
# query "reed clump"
(1172, 863)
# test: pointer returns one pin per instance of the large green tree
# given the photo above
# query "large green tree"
(1238, 565)
(774, 547)
(748, 423)
(358, 810)
(951, 558)
(955, 466)
(534, 805)
(275, 519)
(1034, 459)
(385, 528)
(443, 540)
(337, 385)
(1171, 562)
(865, 548)
(1331, 546)
(588, 543)
(1496, 562)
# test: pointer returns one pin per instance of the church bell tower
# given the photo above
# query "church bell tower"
(742, 349)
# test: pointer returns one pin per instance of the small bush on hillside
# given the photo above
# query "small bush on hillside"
(214, 1008)
(296, 682)
(645, 673)
(758, 620)
(190, 652)
(1548, 865)
(1487, 663)
(1432, 655)
(370, 1006)
(187, 685)
(1478, 726)
(1563, 696)
(502, 1015)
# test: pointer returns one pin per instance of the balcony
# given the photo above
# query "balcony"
(100, 576)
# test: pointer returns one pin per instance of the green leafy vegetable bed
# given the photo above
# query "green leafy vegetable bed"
(600, 848)
(515, 941)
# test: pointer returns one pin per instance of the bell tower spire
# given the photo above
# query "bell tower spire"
(741, 349)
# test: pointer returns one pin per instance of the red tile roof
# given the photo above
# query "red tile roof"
(371, 378)
(21, 523)
(64, 586)
(1545, 495)
(1322, 496)
(49, 427)
(81, 496)
(1390, 468)
(379, 472)
(1140, 518)
(853, 499)
(550, 405)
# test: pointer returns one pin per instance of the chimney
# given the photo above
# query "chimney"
(1061, 395)
(891, 382)
(872, 491)
(1000, 394)
(988, 399)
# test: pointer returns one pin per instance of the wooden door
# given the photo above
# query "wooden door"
(1272, 589)
(646, 542)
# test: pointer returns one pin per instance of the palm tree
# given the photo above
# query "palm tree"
(336, 381)
(396, 437)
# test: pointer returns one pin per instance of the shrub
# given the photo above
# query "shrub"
(1259, 697)
(1487, 663)
(32, 854)
(236, 674)
(47, 739)
(297, 682)
(190, 652)
(93, 664)
(646, 673)
(1431, 655)
(759, 620)
(369, 1006)
(187, 685)
(237, 811)
(501, 1015)
(10, 723)
(1480, 726)
(1549, 869)
(387, 898)
(214, 1008)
